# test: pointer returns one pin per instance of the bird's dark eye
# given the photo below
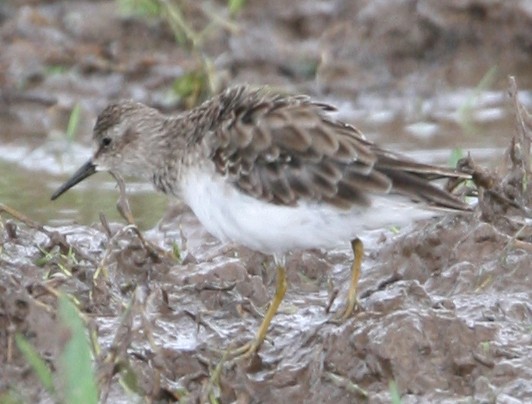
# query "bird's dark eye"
(106, 141)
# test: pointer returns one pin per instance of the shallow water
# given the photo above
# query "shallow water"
(29, 189)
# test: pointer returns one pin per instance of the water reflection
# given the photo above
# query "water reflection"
(29, 192)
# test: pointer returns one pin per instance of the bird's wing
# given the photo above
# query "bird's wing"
(285, 149)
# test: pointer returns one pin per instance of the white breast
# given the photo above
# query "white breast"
(229, 214)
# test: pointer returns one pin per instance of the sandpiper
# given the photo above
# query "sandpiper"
(271, 172)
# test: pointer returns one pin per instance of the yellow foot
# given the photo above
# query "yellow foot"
(249, 350)
(246, 351)
(352, 301)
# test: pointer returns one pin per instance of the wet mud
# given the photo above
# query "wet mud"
(445, 312)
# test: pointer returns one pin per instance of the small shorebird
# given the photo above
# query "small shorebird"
(271, 172)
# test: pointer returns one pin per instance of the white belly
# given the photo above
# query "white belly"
(230, 215)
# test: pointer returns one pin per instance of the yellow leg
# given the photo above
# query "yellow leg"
(249, 349)
(352, 302)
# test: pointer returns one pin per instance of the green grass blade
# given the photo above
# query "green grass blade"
(76, 362)
(395, 395)
(235, 6)
(176, 251)
(141, 8)
(10, 397)
(456, 154)
(36, 362)
(465, 112)
(73, 122)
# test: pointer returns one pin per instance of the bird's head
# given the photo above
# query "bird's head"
(122, 139)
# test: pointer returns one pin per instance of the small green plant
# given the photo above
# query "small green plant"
(39, 366)
(74, 364)
(141, 8)
(485, 346)
(76, 359)
(73, 122)
(345, 383)
(190, 87)
(55, 69)
(465, 112)
(191, 33)
(394, 229)
(235, 6)
(456, 154)
(176, 251)
(175, 15)
(395, 395)
(64, 262)
(10, 397)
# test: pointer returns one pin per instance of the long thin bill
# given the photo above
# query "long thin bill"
(86, 170)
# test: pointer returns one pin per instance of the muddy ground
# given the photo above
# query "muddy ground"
(445, 312)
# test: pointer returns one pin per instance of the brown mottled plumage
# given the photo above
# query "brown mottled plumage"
(281, 149)
(270, 172)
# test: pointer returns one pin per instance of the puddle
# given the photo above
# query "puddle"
(30, 177)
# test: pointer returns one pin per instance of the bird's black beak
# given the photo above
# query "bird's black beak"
(86, 170)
